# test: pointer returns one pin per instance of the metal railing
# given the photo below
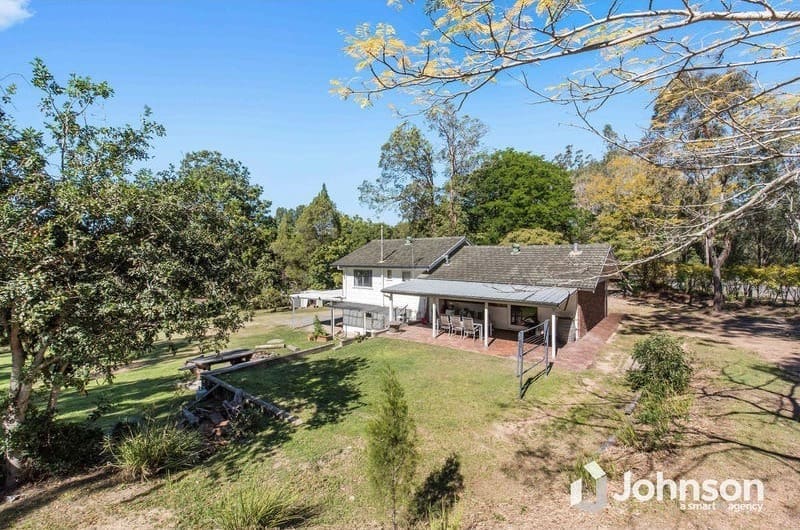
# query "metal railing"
(529, 341)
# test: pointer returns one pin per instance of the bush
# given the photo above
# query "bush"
(663, 369)
(440, 491)
(154, 449)
(57, 448)
(255, 507)
(658, 414)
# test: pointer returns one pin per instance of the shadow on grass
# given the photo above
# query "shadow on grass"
(327, 389)
(37, 497)
(119, 396)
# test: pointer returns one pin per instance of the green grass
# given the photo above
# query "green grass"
(455, 398)
(153, 384)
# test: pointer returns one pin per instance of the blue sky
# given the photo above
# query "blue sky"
(251, 80)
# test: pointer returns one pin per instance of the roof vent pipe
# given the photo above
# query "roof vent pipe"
(575, 247)
(382, 244)
(515, 248)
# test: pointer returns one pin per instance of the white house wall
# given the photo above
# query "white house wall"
(374, 296)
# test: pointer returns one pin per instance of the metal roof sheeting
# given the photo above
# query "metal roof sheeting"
(489, 292)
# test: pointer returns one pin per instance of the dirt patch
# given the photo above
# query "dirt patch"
(773, 333)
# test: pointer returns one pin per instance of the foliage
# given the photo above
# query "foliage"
(513, 190)
(461, 154)
(439, 492)
(533, 236)
(729, 125)
(407, 181)
(154, 449)
(253, 507)
(317, 226)
(248, 421)
(391, 446)
(56, 448)
(97, 260)
(662, 376)
(318, 331)
(662, 366)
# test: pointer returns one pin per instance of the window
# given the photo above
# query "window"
(406, 275)
(524, 316)
(362, 277)
(388, 274)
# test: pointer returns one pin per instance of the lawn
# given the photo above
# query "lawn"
(153, 383)
(518, 456)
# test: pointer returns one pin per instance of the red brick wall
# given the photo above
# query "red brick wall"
(591, 307)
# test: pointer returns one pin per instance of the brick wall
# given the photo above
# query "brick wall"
(591, 307)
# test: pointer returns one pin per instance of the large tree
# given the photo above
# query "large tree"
(302, 243)
(461, 153)
(407, 182)
(468, 45)
(513, 190)
(97, 263)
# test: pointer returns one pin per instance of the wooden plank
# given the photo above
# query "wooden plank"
(278, 358)
(273, 409)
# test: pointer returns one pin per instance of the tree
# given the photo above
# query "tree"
(391, 445)
(533, 236)
(514, 190)
(318, 225)
(407, 180)
(97, 263)
(471, 44)
(461, 153)
(632, 203)
(697, 107)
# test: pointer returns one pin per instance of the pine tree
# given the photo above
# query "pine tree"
(391, 451)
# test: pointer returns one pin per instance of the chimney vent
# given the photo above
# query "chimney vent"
(515, 248)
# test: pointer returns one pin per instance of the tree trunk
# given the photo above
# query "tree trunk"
(19, 394)
(717, 261)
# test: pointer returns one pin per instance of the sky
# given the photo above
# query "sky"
(251, 79)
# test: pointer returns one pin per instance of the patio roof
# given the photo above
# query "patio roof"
(484, 292)
(333, 295)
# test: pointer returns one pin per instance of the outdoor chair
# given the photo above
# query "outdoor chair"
(470, 328)
(457, 325)
(445, 324)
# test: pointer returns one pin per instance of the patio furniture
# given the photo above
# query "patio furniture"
(470, 328)
(445, 324)
(458, 325)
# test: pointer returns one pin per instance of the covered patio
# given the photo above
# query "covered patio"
(498, 311)
(502, 344)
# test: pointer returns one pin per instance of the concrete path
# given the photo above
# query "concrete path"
(580, 355)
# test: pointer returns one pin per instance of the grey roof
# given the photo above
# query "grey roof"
(502, 292)
(427, 252)
(361, 307)
(540, 265)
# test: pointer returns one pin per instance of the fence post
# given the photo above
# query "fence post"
(553, 334)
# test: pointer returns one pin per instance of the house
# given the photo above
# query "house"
(501, 287)
(513, 288)
(381, 264)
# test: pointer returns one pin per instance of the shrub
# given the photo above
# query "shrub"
(57, 448)
(663, 369)
(154, 449)
(319, 331)
(254, 507)
(658, 413)
(440, 491)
